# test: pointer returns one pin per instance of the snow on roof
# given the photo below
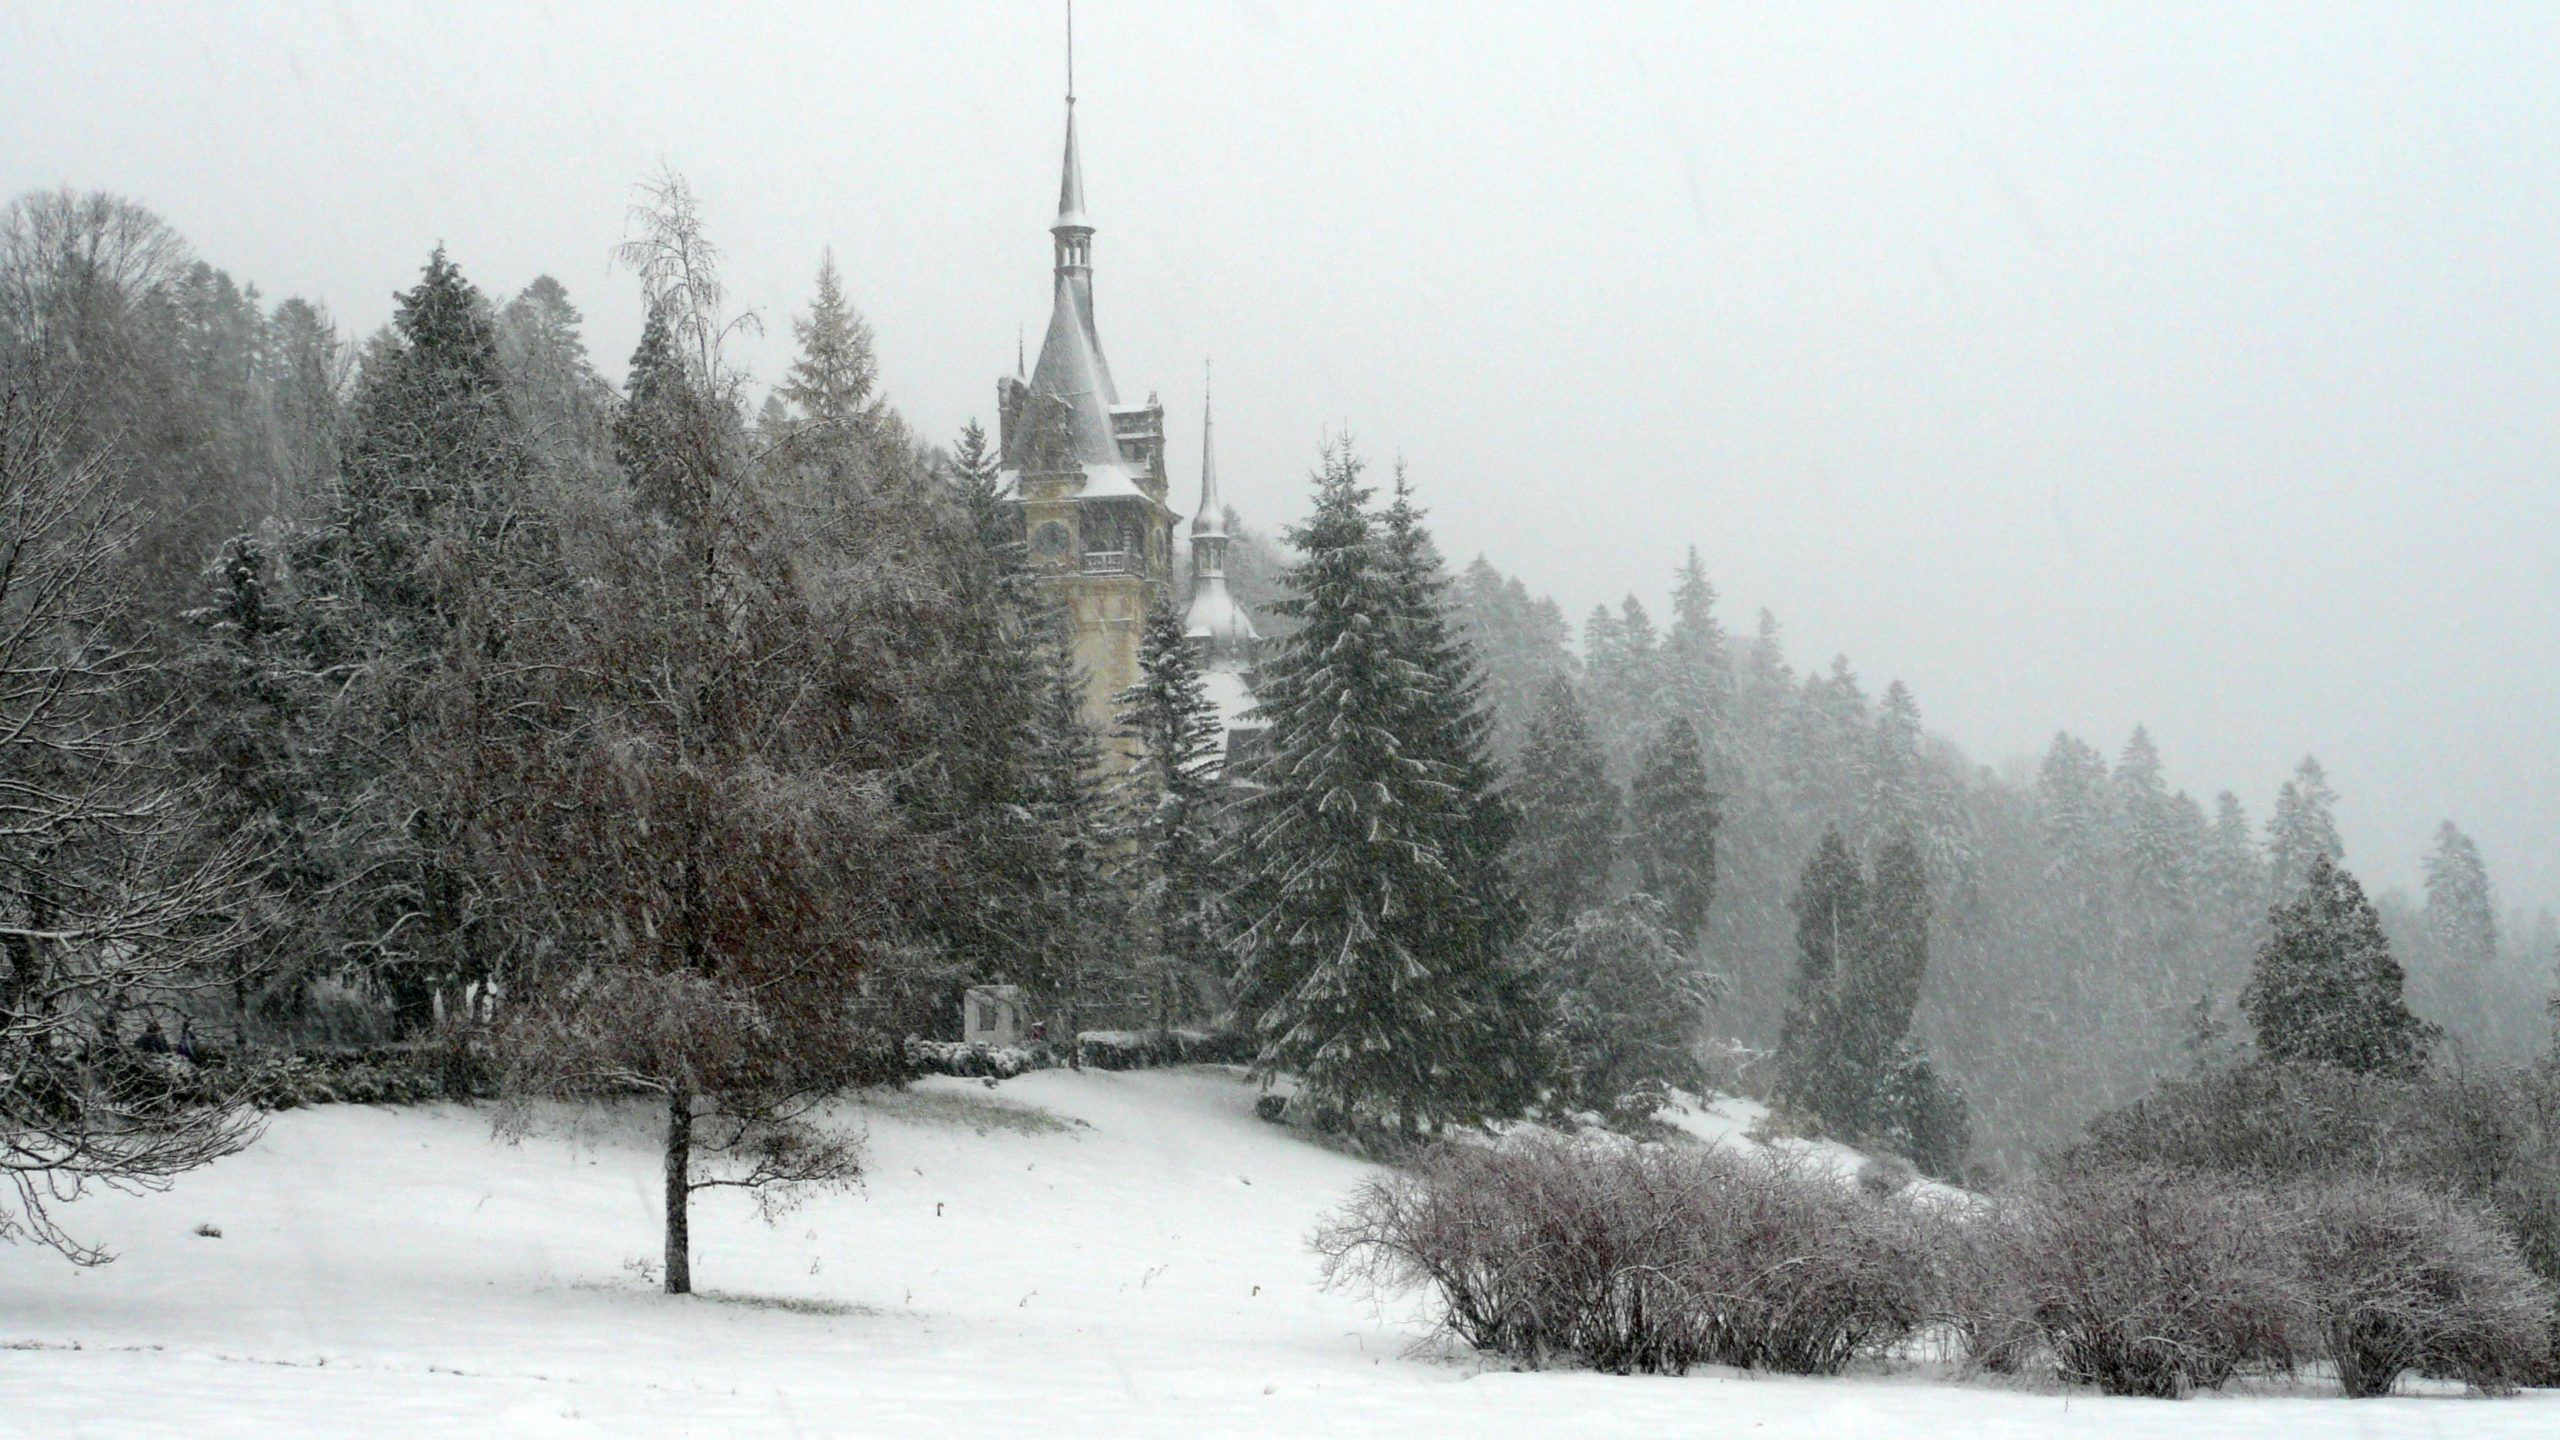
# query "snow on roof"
(1232, 698)
(1216, 617)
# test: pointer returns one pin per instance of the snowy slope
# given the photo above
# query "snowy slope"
(1071, 1254)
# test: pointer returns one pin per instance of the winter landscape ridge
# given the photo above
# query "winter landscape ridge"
(1075, 1254)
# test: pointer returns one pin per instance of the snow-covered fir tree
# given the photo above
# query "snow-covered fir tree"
(1671, 826)
(2458, 981)
(1568, 809)
(2304, 827)
(2326, 989)
(1814, 1077)
(1628, 999)
(1363, 967)
(1166, 801)
(830, 384)
(1697, 666)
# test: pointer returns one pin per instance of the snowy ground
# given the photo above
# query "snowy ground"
(1067, 1254)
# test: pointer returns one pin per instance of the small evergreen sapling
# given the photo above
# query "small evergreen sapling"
(1628, 999)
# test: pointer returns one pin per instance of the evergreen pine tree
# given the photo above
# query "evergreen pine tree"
(1814, 1078)
(2304, 827)
(1671, 820)
(985, 796)
(1165, 803)
(1481, 921)
(1697, 668)
(1879, 986)
(2462, 935)
(829, 386)
(435, 539)
(1079, 912)
(1628, 998)
(1568, 810)
(1893, 799)
(2326, 989)
(1354, 976)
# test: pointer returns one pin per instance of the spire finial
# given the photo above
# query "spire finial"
(1017, 349)
(1071, 52)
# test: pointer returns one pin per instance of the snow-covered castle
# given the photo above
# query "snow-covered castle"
(1088, 475)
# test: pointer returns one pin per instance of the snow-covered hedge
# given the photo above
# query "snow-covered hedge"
(1641, 1258)
(1144, 1049)
(990, 1062)
(2145, 1282)
(2398, 1280)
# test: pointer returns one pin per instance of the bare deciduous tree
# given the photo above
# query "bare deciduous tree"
(114, 898)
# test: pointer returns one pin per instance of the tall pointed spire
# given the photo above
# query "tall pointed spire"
(1071, 184)
(1211, 520)
(1071, 173)
(1215, 622)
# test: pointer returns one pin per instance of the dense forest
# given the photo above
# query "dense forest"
(705, 739)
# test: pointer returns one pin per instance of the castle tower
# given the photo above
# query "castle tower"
(1219, 629)
(1087, 472)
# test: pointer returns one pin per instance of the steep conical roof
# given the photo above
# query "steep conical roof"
(1071, 181)
(1071, 369)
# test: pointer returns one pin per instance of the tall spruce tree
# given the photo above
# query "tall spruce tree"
(1166, 799)
(1080, 913)
(1568, 809)
(1361, 971)
(1482, 922)
(2304, 827)
(982, 790)
(1671, 825)
(567, 408)
(829, 386)
(1697, 668)
(2326, 989)
(1880, 979)
(2462, 936)
(436, 539)
(1814, 1077)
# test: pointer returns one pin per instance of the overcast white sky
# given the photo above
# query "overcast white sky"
(2082, 366)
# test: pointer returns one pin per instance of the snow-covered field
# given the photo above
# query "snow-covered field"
(1066, 1254)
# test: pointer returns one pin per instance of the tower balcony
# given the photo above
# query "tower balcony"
(1115, 562)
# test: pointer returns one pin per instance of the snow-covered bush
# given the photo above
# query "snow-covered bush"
(973, 1062)
(2399, 1280)
(1147, 1049)
(1627, 997)
(2146, 1281)
(1982, 1297)
(1641, 1258)
(2490, 1139)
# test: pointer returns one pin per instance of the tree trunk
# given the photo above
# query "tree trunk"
(679, 1192)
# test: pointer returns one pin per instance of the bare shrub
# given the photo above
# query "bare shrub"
(1885, 1175)
(2489, 1139)
(1981, 1295)
(2399, 1280)
(1640, 1258)
(2145, 1281)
